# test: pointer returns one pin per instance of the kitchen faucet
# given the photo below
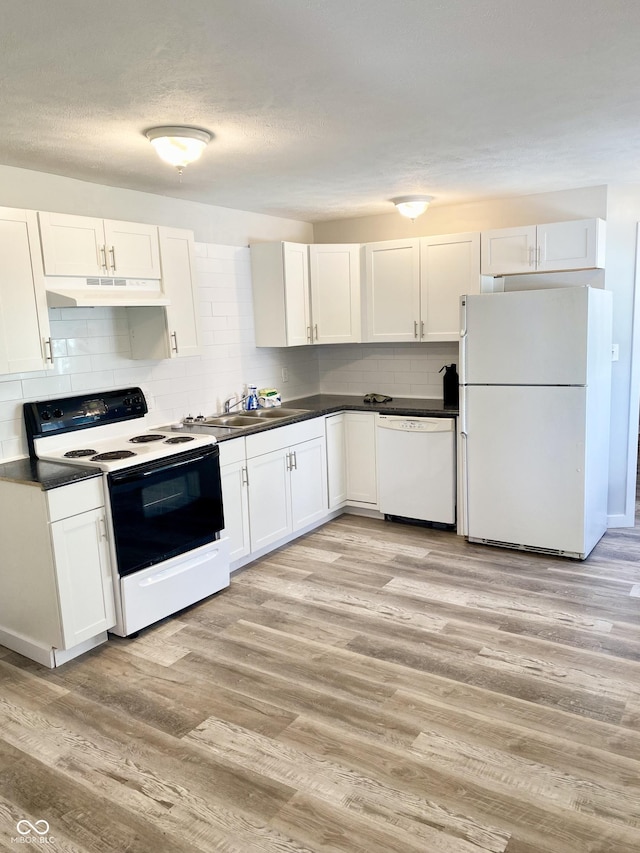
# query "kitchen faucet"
(228, 406)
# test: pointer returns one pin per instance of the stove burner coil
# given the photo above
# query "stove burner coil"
(143, 439)
(179, 439)
(114, 454)
(77, 454)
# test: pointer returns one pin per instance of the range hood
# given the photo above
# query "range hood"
(103, 292)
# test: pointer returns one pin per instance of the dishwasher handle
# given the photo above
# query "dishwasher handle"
(416, 424)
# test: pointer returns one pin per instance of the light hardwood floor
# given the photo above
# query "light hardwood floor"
(373, 687)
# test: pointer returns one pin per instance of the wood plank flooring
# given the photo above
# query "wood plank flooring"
(371, 688)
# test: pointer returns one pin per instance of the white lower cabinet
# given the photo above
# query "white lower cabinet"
(360, 453)
(351, 460)
(83, 572)
(336, 460)
(287, 473)
(56, 589)
(235, 497)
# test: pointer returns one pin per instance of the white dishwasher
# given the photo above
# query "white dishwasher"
(416, 467)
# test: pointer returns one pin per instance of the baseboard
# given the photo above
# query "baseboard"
(621, 520)
(28, 648)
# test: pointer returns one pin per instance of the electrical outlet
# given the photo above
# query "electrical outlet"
(285, 374)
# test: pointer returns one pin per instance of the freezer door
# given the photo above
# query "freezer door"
(535, 337)
(526, 479)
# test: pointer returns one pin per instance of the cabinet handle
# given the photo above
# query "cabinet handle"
(531, 257)
(422, 328)
(104, 264)
(174, 347)
(245, 476)
(288, 461)
(294, 461)
(102, 528)
(309, 335)
(112, 252)
(538, 255)
(415, 328)
(48, 343)
(316, 328)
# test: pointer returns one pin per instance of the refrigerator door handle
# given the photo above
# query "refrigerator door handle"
(463, 340)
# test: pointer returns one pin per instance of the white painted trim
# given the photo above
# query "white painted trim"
(634, 399)
(26, 647)
(621, 519)
(63, 655)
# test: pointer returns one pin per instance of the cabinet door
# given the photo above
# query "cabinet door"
(24, 319)
(83, 575)
(296, 287)
(508, 251)
(360, 435)
(336, 461)
(72, 245)
(235, 501)
(570, 245)
(178, 283)
(449, 268)
(132, 249)
(335, 293)
(269, 498)
(393, 290)
(308, 476)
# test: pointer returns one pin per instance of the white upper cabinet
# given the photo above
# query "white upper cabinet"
(25, 344)
(173, 331)
(305, 294)
(82, 246)
(335, 293)
(554, 247)
(280, 285)
(449, 268)
(414, 286)
(392, 272)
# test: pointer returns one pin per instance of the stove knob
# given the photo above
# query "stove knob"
(136, 401)
(200, 417)
(127, 401)
(45, 416)
(57, 413)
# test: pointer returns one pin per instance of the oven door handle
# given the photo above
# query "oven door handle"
(160, 469)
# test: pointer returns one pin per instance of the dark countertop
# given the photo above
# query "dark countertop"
(326, 404)
(318, 405)
(45, 475)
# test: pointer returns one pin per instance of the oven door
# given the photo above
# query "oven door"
(165, 508)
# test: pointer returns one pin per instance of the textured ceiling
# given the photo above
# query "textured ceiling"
(323, 109)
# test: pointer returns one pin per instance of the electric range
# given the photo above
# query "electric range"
(163, 497)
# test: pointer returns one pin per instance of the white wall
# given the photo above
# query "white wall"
(623, 214)
(40, 191)
(92, 352)
(584, 203)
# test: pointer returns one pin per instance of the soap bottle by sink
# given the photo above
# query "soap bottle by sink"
(252, 398)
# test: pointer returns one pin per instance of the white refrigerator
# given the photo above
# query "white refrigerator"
(535, 379)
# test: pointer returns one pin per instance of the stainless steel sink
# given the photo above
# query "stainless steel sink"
(229, 421)
(249, 419)
(269, 414)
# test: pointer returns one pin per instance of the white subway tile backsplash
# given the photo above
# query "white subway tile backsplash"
(11, 390)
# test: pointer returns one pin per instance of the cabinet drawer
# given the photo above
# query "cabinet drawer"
(232, 451)
(284, 436)
(75, 498)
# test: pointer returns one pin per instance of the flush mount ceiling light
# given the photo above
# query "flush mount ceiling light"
(412, 206)
(178, 146)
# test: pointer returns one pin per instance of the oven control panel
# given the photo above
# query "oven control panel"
(51, 417)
